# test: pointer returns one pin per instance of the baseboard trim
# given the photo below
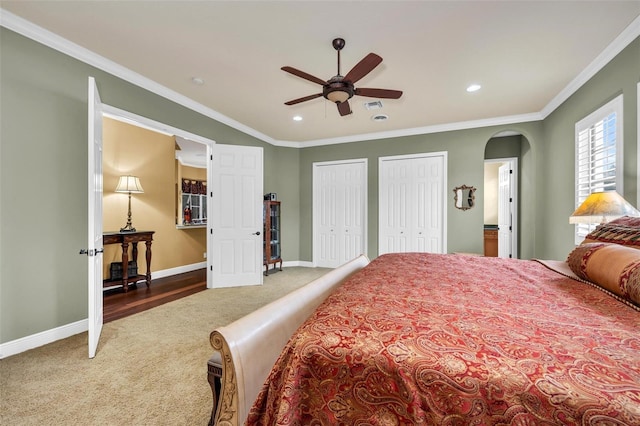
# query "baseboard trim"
(302, 263)
(23, 344)
(178, 270)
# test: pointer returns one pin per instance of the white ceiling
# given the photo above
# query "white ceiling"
(527, 55)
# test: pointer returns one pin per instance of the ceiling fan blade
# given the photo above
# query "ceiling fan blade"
(379, 93)
(344, 108)
(304, 75)
(362, 68)
(306, 98)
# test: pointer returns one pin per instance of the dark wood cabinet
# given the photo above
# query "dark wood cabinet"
(272, 245)
(491, 242)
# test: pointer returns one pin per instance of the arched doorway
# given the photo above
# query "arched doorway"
(502, 188)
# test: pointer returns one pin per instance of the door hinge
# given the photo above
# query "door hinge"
(511, 200)
(211, 157)
(510, 171)
(510, 228)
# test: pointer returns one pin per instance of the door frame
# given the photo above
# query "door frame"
(156, 126)
(513, 162)
(316, 203)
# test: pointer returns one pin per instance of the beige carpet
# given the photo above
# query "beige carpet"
(150, 368)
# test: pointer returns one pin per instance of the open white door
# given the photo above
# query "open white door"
(235, 214)
(94, 252)
(506, 214)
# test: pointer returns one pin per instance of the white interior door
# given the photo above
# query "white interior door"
(340, 206)
(236, 222)
(394, 210)
(411, 204)
(94, 254)
(326, 203)
(506, 210)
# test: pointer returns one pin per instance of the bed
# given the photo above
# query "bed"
(427, 339)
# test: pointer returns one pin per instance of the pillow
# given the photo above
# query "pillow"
(624, 231)
(629, 221)
(611, 266)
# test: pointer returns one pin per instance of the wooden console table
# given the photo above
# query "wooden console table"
(124, 239)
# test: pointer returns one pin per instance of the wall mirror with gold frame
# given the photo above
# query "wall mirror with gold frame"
(464, 197)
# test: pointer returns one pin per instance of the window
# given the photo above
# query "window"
(598, 156)
(194, 202)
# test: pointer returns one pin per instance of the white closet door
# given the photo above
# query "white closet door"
(429, 196)
(395, 210)
(326, 206)
(411, 209)
(354, 206)
(339, 203)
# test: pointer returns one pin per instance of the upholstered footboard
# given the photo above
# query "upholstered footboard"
(248, 348)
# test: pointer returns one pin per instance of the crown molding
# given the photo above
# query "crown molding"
(438, 128)
(201, 165)
(615, 47)
(54, 41)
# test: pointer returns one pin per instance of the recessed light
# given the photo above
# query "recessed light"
(297, 118)
(197, 81)
(380, 117)
(473, 88)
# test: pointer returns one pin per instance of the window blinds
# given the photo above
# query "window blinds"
(595, 163)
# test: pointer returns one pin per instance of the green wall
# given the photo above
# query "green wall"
(43, 179)
(620, 76)
(465, 150)
(43, 175)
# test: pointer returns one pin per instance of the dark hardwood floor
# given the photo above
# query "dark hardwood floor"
(118, 304)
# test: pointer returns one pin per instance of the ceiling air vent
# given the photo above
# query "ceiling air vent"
(373, 105)
(379, 117)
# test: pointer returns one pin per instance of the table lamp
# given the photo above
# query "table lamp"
(130, 185)
(602, 207)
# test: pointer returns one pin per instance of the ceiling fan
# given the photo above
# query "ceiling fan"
(339, 89)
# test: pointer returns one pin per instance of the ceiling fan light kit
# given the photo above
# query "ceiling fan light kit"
(339, 89)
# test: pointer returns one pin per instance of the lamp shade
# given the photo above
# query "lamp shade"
(129, 184)
(600, 207)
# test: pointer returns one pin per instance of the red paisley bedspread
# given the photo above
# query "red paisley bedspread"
(459, 340)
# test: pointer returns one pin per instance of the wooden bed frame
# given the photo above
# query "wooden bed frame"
(247, 349)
